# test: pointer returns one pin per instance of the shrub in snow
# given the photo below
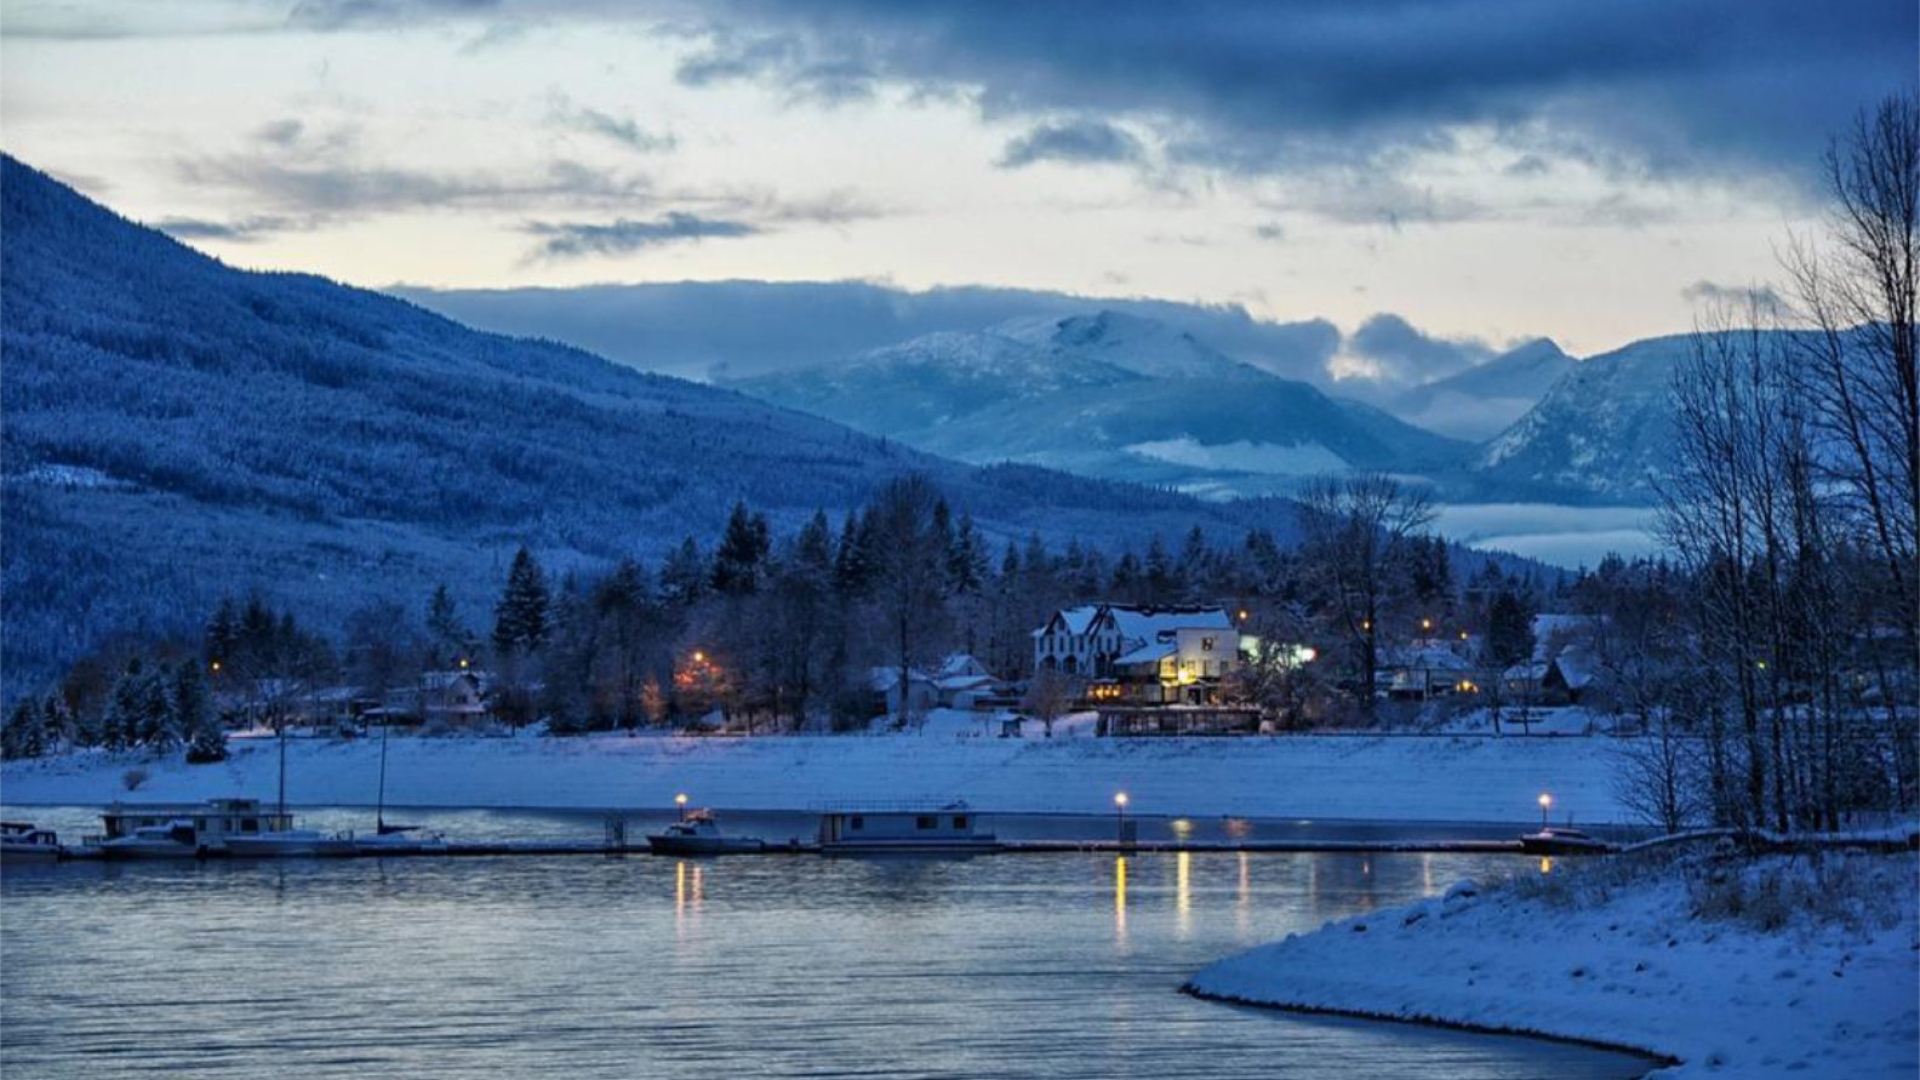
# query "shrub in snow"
(133, 778)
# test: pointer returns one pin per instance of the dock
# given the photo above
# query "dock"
(559, 848)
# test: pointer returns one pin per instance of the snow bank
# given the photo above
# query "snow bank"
(1319, 777)
(1780, 967)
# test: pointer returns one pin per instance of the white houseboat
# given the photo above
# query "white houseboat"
(183, 830)
(21, 842)
(953, 828)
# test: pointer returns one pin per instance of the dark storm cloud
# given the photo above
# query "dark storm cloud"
(1075, 142)
(567, 241)
(1404, 354)
(1664, 86)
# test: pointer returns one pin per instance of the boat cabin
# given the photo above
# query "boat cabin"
(954, 827)
(213, 821)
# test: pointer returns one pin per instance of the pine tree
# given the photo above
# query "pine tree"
(223, 633)
(966, 559)
(683, 577)
(447, 637)
(25, 735)
(121, 725)
(193, 716)
(156, 725)
(851, 571)
(738, 564)
(521, 618)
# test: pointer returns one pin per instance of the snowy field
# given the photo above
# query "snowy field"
(1318, 777)
(1785, 967)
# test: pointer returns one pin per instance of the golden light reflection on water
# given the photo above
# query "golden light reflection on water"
(1183, 892)
(1546, 864)
(1243, 897)
(1120, 897)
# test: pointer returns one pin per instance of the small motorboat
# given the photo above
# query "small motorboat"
(699, 834)
(21, 842)
(400, 840)
(176, 839)
(1562, 840)
(290, 844)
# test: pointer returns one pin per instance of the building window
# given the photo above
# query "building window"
(960, 822)
(856, 822)
(1206, 644)
(926, 821)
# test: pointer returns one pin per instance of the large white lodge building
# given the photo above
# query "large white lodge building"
(1142, 655)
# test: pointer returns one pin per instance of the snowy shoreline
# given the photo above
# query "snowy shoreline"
(1751, 967)
(1347, 778)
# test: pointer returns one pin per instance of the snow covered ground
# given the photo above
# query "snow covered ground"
(1785, 966)
(1317, 777)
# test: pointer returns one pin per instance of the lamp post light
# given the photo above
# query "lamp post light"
(680, 802)
(1120, 801)
(1546, 803)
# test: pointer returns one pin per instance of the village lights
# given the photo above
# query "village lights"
(215, 666)
(1546, 803)
(680, 801)
(463, 663)
(699, 657)
(1426, 624)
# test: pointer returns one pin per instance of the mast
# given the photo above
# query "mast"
(283, 772)
(380, 808)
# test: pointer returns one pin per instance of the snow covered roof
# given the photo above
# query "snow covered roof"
(1079, 618)
(960, 664)
(1578, 666)
(1147, 624)
(1434, 657)
(886, 678)
(1151, 653)
(964, 682)
(1529, 671)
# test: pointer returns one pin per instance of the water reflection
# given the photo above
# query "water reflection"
(1183, 893)
(1120, 899)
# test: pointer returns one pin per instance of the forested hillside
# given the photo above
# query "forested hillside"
(177, 430)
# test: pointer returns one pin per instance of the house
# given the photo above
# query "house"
(454, 697)
(1145, 655)
(884, 683)
(1423, 670)
(1571, 673)
(963, 682)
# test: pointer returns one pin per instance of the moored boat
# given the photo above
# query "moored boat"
(173, 830)
(22, 842)
(952, 829)
(699, 834)
(290, 844)
(175, 839)
(1563, 840)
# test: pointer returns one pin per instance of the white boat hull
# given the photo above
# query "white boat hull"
(292, 845)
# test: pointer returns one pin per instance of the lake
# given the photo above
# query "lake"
(780, 966)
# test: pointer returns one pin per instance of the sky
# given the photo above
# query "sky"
(1436, 178)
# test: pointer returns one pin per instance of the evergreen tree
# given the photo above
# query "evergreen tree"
(683, 577)
(966, 559)
(738, 564)
(851, 570)
(25, 735)
(223, 633)
(120, 727)
(520, 619)
(448, 639)
(156, 726)
(1160, 577)
(194, 719)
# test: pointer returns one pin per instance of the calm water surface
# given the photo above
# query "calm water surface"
(640, 967)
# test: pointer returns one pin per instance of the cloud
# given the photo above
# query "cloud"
(239, 230)
(1271, 231)
(1711, 294)
(1075, 142)
(328, 187)
(622, 237)
(280, 132)
(1392, 350)
(754, 327)
(564, 112)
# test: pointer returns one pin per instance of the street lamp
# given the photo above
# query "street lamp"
(680, 801)
(1546, 803)
(1120, 801)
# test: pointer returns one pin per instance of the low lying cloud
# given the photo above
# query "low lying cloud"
(238, 230)
(1713, 294)
(565, 113)
(571, 240)
(1074, 142)
(1392, 350)
(341, 188)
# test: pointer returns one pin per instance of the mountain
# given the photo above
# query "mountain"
(1603, 433)
(1485, 399)
(175, 430)
(1110, 395)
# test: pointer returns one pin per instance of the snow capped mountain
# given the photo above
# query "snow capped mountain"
(1109, 395)
(1603, 433)
(1482, 400)
(1140, 345)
